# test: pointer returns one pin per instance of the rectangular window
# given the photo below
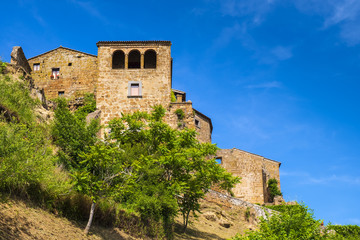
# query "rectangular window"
(36, 67)
(55, 73)
(134, 89)
(218, 160)
(61, 93)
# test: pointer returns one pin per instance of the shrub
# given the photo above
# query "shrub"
(180, 114)
(273, 189)
(173, 98)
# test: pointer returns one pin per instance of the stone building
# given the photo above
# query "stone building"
(128, 76)
(254, 170)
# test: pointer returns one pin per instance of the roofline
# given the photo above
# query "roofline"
(203, 115)
(62, 48)
(253, 154)
(175, 90)
(143, 43)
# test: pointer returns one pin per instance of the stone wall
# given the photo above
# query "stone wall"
(113, 84)
(78, 72)
(203, 127)
(254, 171)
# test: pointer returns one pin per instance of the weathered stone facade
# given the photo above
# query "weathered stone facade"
(129, 76)
(114, 84)
(254, 170)
(78, 72)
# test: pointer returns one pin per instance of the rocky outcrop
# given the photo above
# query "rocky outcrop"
(18, 58)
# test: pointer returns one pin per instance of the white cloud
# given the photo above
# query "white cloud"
(282, 53)
(90, 9)
(266, 85)
(307, 178)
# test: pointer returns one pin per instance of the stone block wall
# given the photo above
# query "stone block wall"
(254, 171)
(113, 84)
(203, 126)
(18, 58)
(78, 72)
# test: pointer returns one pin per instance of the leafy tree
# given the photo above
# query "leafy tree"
(71, 133)
(173, 161)
(101, 173)
(295, 222)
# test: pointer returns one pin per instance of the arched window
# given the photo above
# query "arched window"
(134, 59)
(118, 60)
(150, 59)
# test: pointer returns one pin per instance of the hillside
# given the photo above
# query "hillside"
(23, 220)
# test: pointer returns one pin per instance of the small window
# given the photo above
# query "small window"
(218, 160)
(150, 59)
(118, 60)
(61, 93)
(197, 123)
(55, 73)
(134, 59)
(134, 89)
(36, 67)
(69, 64)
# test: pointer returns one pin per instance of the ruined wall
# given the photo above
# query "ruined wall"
(18, 58)
(78, 72)
(254, 171)
(113, 84)
(172, 119)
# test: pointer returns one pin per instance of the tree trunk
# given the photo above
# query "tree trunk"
(92, 211)
(186, 219)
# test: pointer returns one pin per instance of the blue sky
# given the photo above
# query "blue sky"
(278, 78)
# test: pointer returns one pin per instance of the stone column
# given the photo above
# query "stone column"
(126, 61)
(141, 60)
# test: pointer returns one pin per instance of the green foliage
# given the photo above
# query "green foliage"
(180, 114)
(173, 98)
(88, 107)
(2, 67)
(273, 188)
(281, 208)
(351, 232)
(71, 133)
(247, 214)
(294, 223)
(173, 169)
(15, 100)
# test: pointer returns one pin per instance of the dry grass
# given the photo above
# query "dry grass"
(21, 221)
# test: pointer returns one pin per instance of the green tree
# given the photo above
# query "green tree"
(172, 159)
(295, 222)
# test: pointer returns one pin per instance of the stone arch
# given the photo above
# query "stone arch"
(150, 59)
(134, 59)
(118, 59)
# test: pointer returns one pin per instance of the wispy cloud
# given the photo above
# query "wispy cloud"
(342, 13)
(307, 178)
(91, 10)
(257, 9)
(266, 85)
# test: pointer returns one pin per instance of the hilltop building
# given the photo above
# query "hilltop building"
(128, 76)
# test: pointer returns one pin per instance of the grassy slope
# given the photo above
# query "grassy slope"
(19, 220)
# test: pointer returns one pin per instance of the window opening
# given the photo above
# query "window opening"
(134, 89)
(55, 74)
(150, 59)
(61, 93)
(36, 67)
(118, 60)
(134, 59)
(69, 64)
(218, 160)
(197, 123)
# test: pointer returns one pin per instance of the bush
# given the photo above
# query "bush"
(296, 222)
(273, 189)
(180, 114)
